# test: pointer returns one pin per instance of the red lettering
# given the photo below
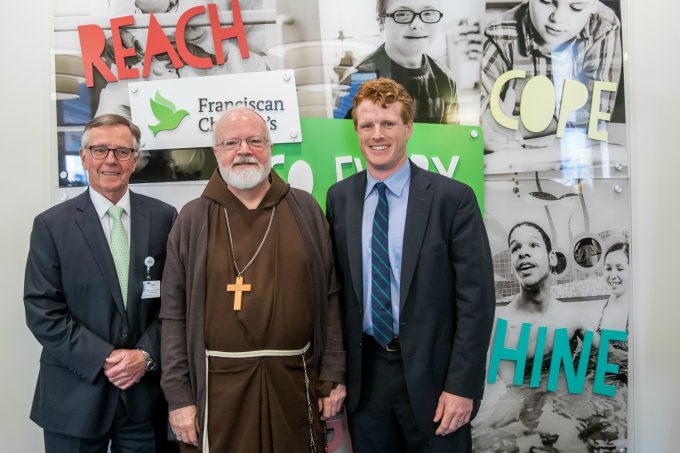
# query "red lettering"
(187, 56)
(122, 52)
(157, 44)
(92, 44)
(235, 31)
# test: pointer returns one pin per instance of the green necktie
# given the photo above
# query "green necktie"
(120, 250)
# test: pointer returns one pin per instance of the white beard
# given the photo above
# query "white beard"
(248, 177)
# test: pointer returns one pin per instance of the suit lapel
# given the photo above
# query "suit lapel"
(140, 223)
(91, 228)
(417, 216)
(354, 216)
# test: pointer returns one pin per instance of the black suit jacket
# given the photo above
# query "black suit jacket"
(447, 291)
(74, 307)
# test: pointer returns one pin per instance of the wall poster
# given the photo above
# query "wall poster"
(542, 78)
(558, 364)
(323, 43)
(558, 217)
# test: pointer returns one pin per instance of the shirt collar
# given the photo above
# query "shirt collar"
(395, 182)
(102, 204)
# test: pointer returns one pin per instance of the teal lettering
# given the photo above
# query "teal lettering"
(562, 357)
(538, 357)
(500, 352)
(603, 367)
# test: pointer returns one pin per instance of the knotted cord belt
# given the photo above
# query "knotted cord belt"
(260, 353)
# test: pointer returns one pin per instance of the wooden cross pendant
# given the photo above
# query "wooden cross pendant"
(238, 288)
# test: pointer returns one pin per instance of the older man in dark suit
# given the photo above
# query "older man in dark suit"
(92, 297)
(418, 289)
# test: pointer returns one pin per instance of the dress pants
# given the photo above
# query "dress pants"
(383, 421)
(125, 436)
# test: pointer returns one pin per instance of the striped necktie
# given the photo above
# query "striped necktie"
(120, 250)
(381, 300)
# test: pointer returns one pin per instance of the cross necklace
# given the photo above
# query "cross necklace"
(238, 287)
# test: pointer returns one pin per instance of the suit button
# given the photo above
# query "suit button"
(361, 343)
(124, 333)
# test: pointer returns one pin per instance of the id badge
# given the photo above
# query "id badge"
(151, 289)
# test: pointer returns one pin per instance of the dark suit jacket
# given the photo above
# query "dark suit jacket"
(447, 291)
(75, 309)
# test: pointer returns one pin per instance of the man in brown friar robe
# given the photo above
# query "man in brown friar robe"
(252, 352)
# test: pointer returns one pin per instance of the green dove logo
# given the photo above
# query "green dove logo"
(166, 113)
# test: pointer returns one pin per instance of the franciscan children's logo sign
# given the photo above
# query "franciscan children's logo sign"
(181, 113)
(166, 113)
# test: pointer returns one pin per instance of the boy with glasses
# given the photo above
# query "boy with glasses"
(410, 29)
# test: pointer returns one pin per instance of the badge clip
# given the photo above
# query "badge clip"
(148, 262)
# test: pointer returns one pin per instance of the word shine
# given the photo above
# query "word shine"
(93, 44)
(561, 358)
(538, 102)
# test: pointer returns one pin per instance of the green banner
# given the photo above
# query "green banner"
(330, 152)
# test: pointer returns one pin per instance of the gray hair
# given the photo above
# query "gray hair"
(110, 119)
(235, 109)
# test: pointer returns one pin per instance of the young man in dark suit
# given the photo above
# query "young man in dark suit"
(418, 289)
(92, 296)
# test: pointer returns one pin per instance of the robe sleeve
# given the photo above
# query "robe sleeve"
(175, 378)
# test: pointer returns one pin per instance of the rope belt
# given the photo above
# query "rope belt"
(258, 353)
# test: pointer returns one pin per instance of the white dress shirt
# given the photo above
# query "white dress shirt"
(102, 205)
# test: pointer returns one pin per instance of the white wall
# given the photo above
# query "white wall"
(24, 191)
(652, 38)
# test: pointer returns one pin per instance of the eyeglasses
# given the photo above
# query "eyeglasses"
(406, 16)
(102, 152)
(255, 142)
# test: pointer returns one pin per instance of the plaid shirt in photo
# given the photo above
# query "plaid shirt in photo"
(593, 55)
